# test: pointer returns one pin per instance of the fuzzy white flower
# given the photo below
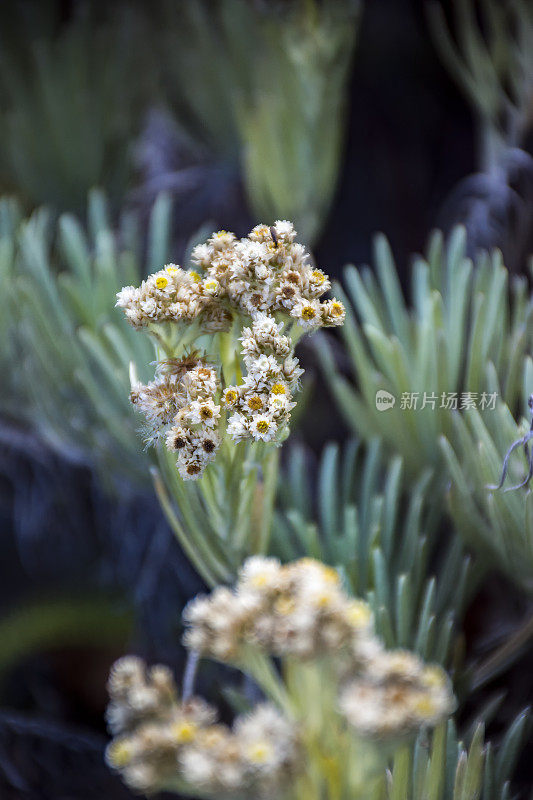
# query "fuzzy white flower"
(263, 427)
(292, 372)
(285, 230)
(260, 572)
(221, 240)
(204, 412)
(307, 312)
(237, 427)
(149, 307)
(126, 296)
(202, 255)
(211, 286)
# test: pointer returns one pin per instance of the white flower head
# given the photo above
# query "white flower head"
(126, 296)
(285, 230)
(211, 286)
(260, 573)
(308, 313)
(221, 240)
(237, 427)
(202, 255)
(204, 412)
(263, 427)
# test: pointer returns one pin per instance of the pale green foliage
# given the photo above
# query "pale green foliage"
(226, 515)
(293, 124)
(498, 523)
(268, 86)
(492, 61)
(383, 541)
(73, 346)
(10, 216)
(71, 105)
(469, 330)
(447, 770)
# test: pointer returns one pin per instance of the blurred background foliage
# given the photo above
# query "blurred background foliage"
(128, 130)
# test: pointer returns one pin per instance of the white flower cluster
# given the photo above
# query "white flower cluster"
(172, 295)
(265, 271)
(397, 697)
(300, 613)
(299, 609)
(162, 743)
(179, 405)
(262, 403)
(264, 277)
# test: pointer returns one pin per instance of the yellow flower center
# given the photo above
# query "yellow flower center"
(285, 605)
(194, 275)
(119, 754)
(324, 599)
(230, 397)
(259, 752)
(425, 706)
(337, 309)
(434, 677)
(358, 614)
(318, 277)
(255, 403)
(184, 731)
(263, 425)
(171, 269)
(308, 312)
(259, 580)
(279, 388)
(331, 575)
(161, 282)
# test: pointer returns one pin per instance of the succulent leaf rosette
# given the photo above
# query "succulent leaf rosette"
(225, 333)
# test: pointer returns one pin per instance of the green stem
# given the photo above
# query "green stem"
(261, 668)
(209, 572)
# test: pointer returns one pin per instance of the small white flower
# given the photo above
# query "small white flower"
(221, 240)
(126, 296)
(263, 427)
(292, 372)
(285, 230)
(262, 272)
(308, 313)
(206, 446)
(211, 286)
(260, 572)
(149, 307)
(265, 367)
(204, 412)
(237, 427)
(279, 405)
(190, 468)
(202, 255)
